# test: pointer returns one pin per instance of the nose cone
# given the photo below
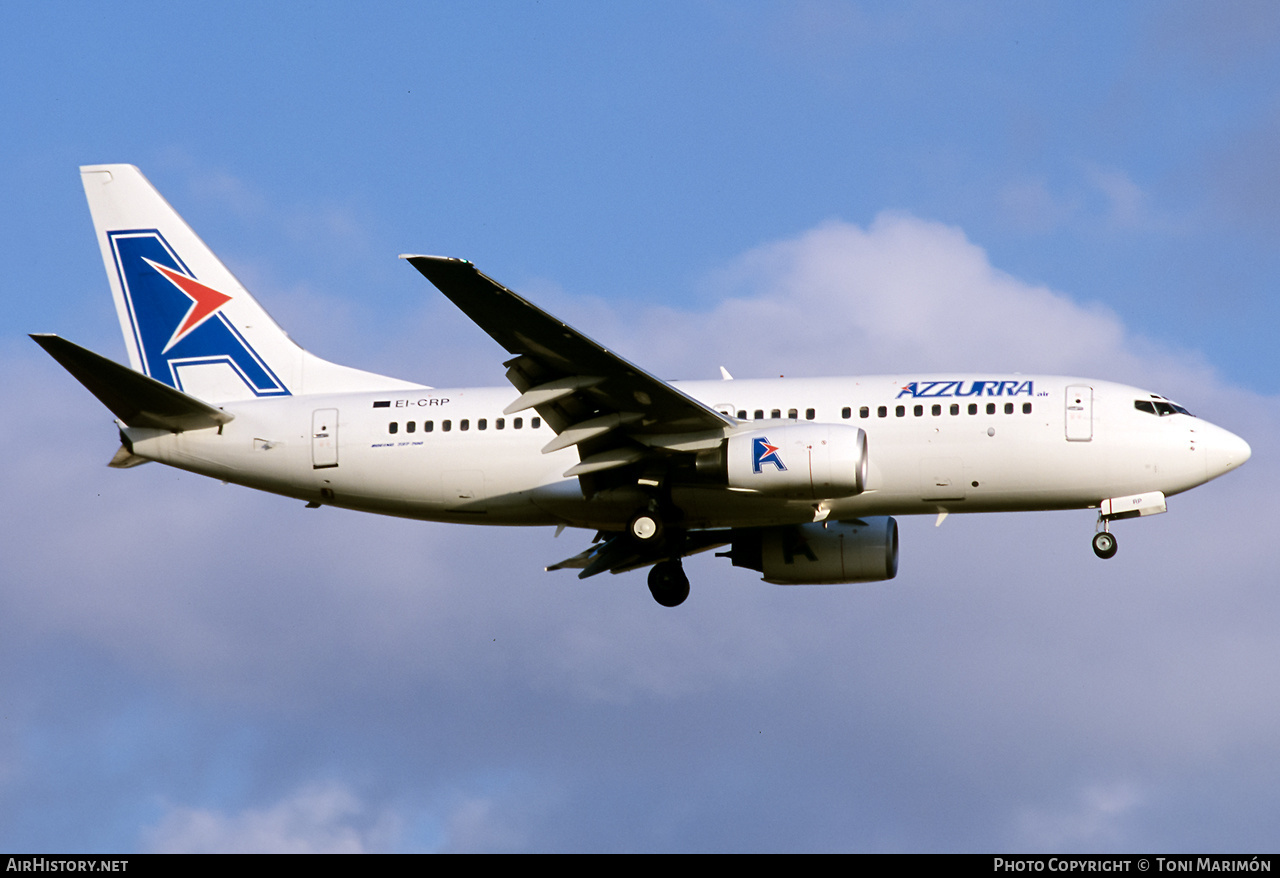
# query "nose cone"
(1224, 451)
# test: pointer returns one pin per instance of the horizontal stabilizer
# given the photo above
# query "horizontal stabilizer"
(135, 399)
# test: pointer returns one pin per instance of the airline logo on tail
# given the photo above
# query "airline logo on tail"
(177, 321)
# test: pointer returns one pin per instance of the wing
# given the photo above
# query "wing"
(624, 421)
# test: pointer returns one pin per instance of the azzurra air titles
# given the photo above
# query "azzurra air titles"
(940, 389)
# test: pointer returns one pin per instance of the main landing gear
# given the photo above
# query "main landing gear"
(668, 583)
(1104, 542)
(645, 528)
(651, 536)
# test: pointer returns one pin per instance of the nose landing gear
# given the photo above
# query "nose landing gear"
(1104, 542)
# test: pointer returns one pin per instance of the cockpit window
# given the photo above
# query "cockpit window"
(1161, 407)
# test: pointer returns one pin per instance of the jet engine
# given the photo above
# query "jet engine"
(861, 550)
(805, 461)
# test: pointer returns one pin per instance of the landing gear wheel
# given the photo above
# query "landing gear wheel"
(668, 583)
(645, 528)
(1104, 544)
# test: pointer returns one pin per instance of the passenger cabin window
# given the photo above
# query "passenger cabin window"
(517, 423)
(394, 427)
(482, 424)
(793, 414)
(882, 411)
(759, 415)
(500, 423)
(446, 426)
(918, 411)
(991, 408)
(535, 423)
(411, 427)
(973, 408)
(810, 414)
(1008, 408)
(937, 410)
(900, 411)
(428, 426)
(742, 414)
(864, 412)
(955, 408)
(1026, 408)
(777, 413)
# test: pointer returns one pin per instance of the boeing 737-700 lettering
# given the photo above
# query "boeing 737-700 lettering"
(797, 477)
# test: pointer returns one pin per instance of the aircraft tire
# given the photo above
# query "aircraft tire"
(645, 528)
(1104, 544)
(668, 583)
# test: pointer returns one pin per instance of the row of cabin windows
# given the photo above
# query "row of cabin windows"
(793, 414)
(809, 414)
(935, 410)
(898, 411)
(464, 424)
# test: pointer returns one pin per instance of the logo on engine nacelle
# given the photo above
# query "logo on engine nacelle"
(762, 452)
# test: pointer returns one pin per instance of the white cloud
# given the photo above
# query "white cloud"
(323, 819)
(1094, 821)
(902, 294)
(1004, 664)
(1100, 199)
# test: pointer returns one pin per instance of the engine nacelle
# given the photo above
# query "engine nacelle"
(864, 550)
(807, 461)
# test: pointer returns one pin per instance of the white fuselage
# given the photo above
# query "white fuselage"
(952, 443)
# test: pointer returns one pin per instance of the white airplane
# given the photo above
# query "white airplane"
(797, 477)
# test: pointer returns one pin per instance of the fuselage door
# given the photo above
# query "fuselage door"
(324, 438)
(1079, 413)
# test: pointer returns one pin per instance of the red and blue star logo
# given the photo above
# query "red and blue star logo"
(204, 301)
(178, 322)
(763, 452)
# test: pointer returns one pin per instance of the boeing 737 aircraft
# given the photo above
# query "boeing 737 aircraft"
(796, 477)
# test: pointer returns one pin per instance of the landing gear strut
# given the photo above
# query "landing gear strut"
(668, 583)
(1104, 542)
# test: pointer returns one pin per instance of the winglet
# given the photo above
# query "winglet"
(409, 257)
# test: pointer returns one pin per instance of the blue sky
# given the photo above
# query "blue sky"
(809, 188)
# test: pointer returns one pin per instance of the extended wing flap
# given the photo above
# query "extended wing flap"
(134, 398)
(621, 553)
